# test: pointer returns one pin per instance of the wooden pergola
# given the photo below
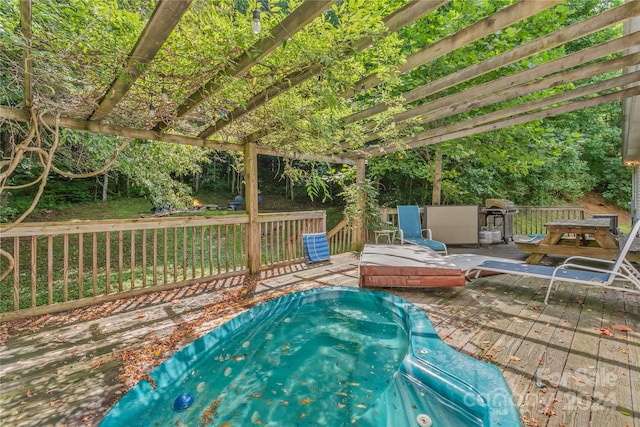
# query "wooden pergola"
(189, 120)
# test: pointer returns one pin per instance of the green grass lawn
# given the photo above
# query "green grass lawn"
(138, 206)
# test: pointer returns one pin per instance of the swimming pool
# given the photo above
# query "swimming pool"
(324, 357)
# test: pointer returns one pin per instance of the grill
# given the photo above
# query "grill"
(498, 214)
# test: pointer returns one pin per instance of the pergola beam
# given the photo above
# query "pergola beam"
(557, 38)
(400, 18)
(514, 86)
(294, 22)
(165, 17)
(533, 106)
(497, 21)
(24, 116)
(454, 131)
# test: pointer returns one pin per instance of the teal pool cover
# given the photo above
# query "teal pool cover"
(324, 357)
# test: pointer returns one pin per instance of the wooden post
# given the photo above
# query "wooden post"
(358, 223)
(251, 203)
(437, 179)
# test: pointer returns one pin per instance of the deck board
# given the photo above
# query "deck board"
(612, 382)
(632, 317)
(62, 369)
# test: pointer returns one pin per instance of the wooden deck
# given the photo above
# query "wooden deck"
(568, 363)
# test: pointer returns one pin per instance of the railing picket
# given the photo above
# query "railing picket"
(235, 233)
(107, 279)
(202, 243)
(34, 260)
(143, 267)
(175, 254)
(80, 265)
(50, 269)
(165, 255)
(219, 248)
(132, 256)
(155, 257)
(193, 251)
(226, 247)
(65, 269)
(16, 273)
(184, 252)
(94, 263)
(120, 259)
(210, 250)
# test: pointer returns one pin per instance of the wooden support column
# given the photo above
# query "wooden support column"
(358, 223)
(437, 178)
(251, 203)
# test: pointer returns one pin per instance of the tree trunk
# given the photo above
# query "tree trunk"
(105, 186)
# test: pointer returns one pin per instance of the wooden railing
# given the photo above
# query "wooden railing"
(59, 266)
(528, 220)
(281, 235)
(340, 238)
(531, 219)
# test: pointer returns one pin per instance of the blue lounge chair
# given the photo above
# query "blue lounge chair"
(576, 269)
(411, 230)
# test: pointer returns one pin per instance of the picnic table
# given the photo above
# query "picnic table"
(574, 237)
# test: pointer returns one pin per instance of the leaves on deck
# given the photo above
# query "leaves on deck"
(606, 331)
(623, 328)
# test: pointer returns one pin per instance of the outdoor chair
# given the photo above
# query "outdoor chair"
(411, 231)
(576, 269)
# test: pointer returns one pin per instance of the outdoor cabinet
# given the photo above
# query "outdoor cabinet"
(453, 225)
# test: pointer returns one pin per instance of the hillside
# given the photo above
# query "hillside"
(596, 204)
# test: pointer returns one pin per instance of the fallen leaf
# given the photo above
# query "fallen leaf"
(515, 358)
(606, 331)
(577, 379)
(305, 401)
(623, 328)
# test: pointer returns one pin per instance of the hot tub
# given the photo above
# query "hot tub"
(324, 357)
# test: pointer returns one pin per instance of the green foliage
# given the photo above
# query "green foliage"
(316, 185)
(357, 195)
(152, 166)
(76, 44)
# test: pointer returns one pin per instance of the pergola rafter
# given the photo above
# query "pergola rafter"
(165, 17)
(488, 122)
(557, 38)
(293, 23)
(21, 115)
(545, 76)
(403, 16)
(497, 21)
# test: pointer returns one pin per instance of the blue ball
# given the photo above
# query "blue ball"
(183, 402)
